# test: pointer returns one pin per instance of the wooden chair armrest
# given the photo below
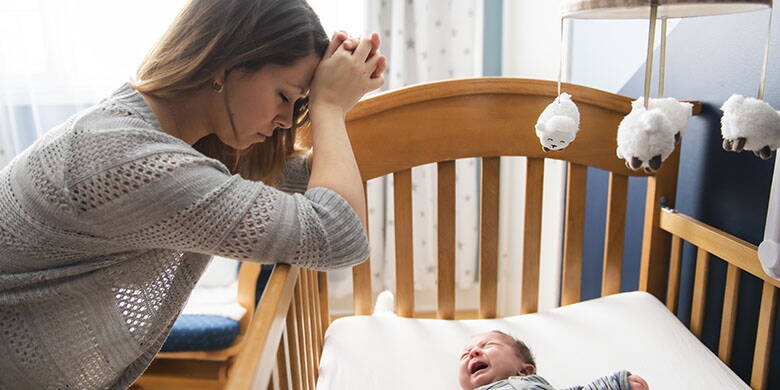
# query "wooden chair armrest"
(265, 332)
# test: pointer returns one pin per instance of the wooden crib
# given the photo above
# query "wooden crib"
(488, 118)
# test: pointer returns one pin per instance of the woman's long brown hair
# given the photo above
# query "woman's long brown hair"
(211, 36)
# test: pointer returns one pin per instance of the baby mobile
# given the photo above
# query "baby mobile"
(649, 133)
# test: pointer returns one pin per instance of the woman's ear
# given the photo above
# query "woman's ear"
(220, 76)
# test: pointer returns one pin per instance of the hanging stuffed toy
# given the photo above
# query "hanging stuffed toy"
(559, 123)
(648, 134)
(676, 111)
(750, 124)
(645, 138)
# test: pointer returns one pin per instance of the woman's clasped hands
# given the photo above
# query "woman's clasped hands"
(350, 68)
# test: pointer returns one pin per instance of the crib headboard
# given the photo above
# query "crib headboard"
(439, 123)
(488, 118)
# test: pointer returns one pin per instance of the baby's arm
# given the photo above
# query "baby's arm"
(620, 380)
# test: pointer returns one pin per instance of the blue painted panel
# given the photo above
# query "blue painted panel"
(491, 57)
(709, 59)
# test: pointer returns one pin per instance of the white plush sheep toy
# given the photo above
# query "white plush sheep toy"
(558, 124)
(750, 124)
(645, 138)
(677, 112)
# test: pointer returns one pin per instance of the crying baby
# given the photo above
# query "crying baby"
(498, 361)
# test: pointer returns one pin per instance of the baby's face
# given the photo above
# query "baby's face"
(490, 357)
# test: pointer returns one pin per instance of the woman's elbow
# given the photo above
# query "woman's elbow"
(351, 252)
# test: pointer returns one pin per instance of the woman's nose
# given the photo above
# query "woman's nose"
(284, 119)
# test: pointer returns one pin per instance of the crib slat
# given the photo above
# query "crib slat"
(303, 344)
(282, 364)
(305, 328)
(529, 300)
(674, 275)
(445, 301)
(297, 341)
(310, 320)
(317, 315)
(306, 323)
(361, 279)
(699, 291)
(310, 309)
(766, 325)
(322, 283)
(315, 323)
(729, 314)
(575, 223)
(292, 339)
(404, 261)
(613, 238)
(488, 235)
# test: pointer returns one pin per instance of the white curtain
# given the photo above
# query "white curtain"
(424, 40)
(60, 56)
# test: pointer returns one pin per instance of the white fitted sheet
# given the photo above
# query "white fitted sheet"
(572, 345)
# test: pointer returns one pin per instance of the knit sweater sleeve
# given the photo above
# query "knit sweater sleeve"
(188, 202)
(296, 175)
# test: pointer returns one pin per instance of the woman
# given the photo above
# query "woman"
(109, 219)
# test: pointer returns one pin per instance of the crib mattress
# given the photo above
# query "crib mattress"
(573, 345)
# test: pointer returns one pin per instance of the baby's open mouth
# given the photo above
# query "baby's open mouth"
(477, 367)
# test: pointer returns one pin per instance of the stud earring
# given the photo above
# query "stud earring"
(217, 87)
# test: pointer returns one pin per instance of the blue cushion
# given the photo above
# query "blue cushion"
(201, 333)
(262, 280)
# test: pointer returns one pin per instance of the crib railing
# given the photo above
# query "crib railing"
(487, 118)
(292, 314)
(740, 256)
(291, 321)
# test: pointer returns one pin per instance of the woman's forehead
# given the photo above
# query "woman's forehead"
(297, 76)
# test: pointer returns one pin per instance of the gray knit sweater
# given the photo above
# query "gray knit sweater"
(107, 222)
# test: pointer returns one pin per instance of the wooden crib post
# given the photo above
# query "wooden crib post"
(615, 230)
(656, 243)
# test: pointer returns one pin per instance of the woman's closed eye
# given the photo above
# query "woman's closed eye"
(284, 98)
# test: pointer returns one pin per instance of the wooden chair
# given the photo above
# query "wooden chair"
(488, 118)
(206, 369)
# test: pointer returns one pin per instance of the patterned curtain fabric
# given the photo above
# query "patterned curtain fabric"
(424, 40)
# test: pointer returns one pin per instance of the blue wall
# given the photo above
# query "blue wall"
(491, 40)
(708, 59)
